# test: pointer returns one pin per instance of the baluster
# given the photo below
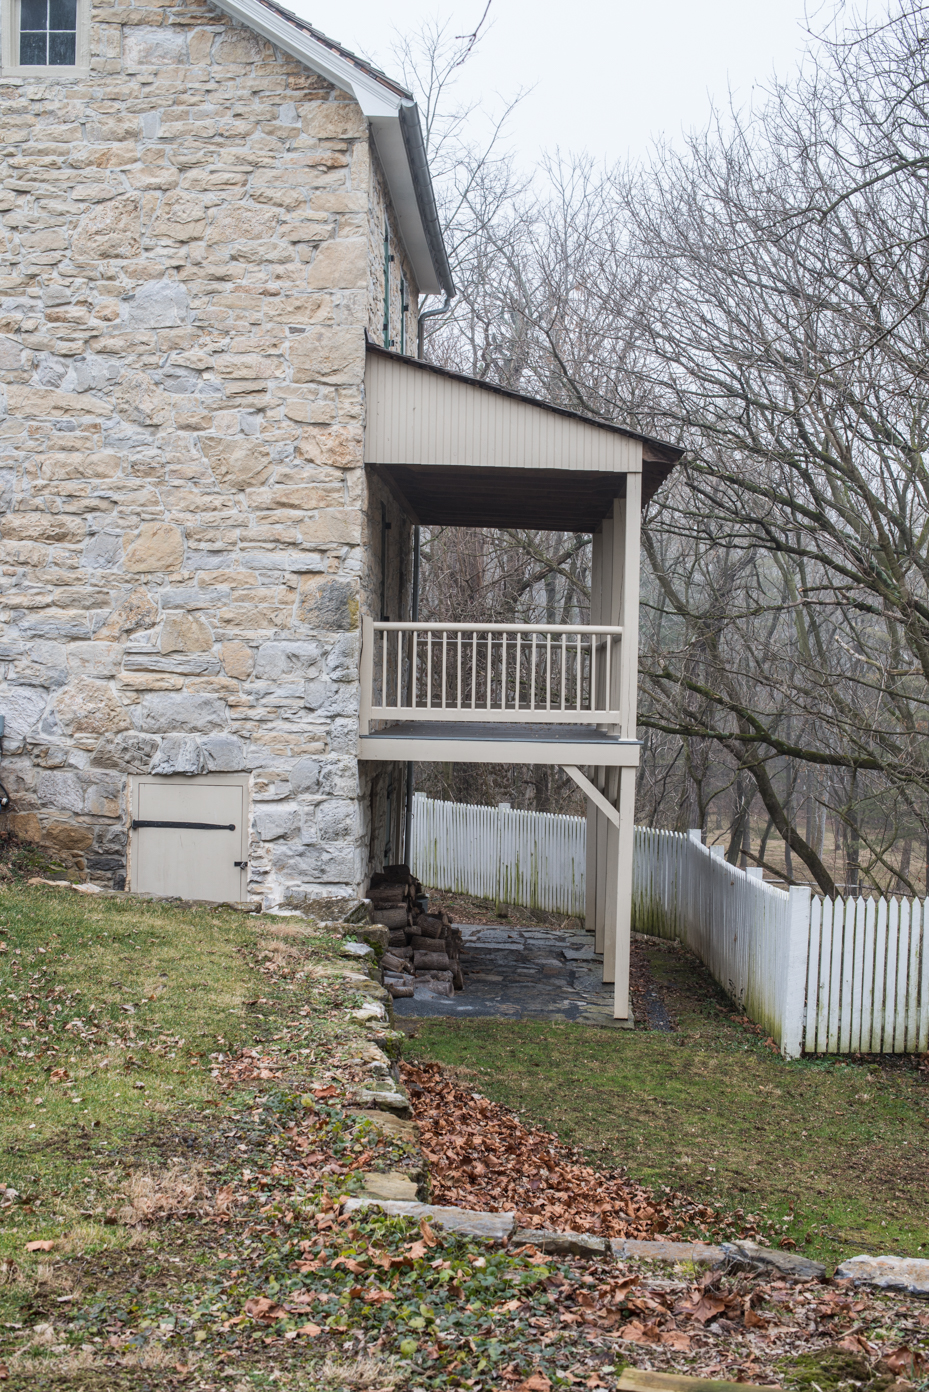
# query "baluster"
(579, 670)
(532, 675)
(503, 671)
(384, 640)
(608, 692)
(414, 674)
(444, 665)
(593, 673)
(490, 658)
(548, 671)
(398, 674)
(516, 690)
(429, 637)
(459, 669)
(474, 670)
(564, 665)
(401, 645)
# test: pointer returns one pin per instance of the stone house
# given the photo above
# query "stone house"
(215, 445)
(204, 209)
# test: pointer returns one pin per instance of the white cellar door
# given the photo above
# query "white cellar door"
(189, 838)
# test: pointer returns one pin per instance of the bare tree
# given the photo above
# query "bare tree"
(760, 297)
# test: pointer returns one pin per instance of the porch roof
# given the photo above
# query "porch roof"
(460, 452)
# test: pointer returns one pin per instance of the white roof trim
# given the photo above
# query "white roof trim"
(379, 103)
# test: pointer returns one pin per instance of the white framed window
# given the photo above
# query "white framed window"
(48, 37)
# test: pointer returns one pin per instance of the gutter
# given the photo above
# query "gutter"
(412, 131)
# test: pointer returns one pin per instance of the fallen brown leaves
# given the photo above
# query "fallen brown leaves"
(738, 1328)
(482, 1156)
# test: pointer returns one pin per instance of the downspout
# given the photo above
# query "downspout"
(420, 324)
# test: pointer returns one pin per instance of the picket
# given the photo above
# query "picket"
(821, 975)
(812, 970)
(921, 1025)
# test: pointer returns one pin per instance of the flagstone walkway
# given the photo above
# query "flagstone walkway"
(528, 973)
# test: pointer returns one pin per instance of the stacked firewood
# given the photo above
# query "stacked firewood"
(424, 949)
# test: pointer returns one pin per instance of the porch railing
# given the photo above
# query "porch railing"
(525, 673)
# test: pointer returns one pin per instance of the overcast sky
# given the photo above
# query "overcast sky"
(605, 77)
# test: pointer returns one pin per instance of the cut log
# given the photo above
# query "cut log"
(392, 918)
(404, 953)
(431, 926)
(426, 990)
(398, 874)
(419, 944)
(400, 988)
(435, 976)
(397, 937)
(457, 978)
(388, 894)
(390, 963)
(435, 961)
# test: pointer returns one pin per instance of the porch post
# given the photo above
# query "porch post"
(590, 881)
(596, 822)
(611, 611)
(628, 617)
(625, 846)
(612, 882)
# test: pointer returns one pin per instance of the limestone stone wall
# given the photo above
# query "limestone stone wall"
(190, 250)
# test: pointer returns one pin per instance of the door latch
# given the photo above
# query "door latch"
(240, 864)
(184, 826)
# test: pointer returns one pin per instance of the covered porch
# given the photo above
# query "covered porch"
(455, 451)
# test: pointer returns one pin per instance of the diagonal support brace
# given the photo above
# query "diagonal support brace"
(589, 790)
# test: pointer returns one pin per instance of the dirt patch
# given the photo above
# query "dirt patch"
(467, 908)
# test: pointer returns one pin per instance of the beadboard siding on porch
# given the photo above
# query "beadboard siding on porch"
(415, 416)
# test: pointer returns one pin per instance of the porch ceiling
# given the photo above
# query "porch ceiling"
(461, 452)
(558, 500)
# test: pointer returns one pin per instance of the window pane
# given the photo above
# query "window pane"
(32, 50)
(33, 14)
(62, 14)
(61, 50)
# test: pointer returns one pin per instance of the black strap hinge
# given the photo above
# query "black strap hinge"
(185, 826)
(240, 864)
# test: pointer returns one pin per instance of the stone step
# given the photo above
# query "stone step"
(644, 1380)
(910, 1274)
(700, 1253)
(496, 1227)
(392, 1185)
(501, 1227)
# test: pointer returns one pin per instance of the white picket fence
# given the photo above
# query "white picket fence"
(821, 976)
(839, 976)
(739, 927)
(531, 858)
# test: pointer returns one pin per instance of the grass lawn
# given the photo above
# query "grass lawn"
(179, 1127)
(109, 1011)
(152, 1062)
(834, 1151)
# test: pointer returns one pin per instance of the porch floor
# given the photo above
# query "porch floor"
(528, 973)
(482, 742)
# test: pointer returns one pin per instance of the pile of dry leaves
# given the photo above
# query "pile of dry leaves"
(482, 1156)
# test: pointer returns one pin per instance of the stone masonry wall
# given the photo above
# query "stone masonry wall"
(190, 249)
